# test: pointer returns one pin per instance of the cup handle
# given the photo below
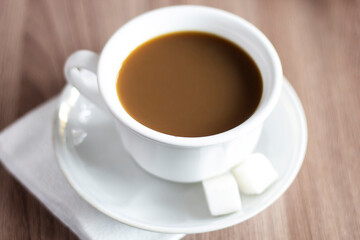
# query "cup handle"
(81, 72)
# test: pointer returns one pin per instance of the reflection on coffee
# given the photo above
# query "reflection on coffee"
(189, 84)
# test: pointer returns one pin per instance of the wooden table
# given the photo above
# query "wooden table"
(319, 45)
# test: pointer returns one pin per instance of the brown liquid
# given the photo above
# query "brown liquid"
(189, 84)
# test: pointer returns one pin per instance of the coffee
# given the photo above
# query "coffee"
(189, 84)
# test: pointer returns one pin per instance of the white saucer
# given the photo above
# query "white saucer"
(105, 176)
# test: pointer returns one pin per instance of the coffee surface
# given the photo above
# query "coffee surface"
(189, 84)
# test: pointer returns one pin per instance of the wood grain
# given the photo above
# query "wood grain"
(318, 43)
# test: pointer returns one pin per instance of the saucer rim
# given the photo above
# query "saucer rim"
(225, 222)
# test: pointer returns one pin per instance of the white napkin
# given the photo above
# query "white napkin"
(26, 150)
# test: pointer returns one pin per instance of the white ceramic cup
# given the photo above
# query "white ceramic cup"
(179, 159)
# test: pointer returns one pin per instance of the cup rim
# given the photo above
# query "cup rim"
(255, 120)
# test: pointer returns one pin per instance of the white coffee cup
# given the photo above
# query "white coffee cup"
(179, 159)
